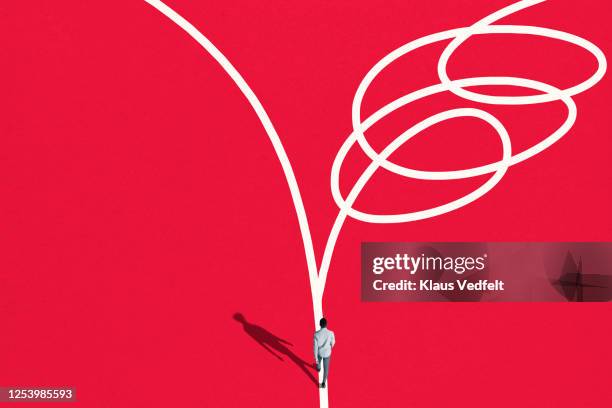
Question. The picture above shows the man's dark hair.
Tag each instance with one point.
(323, 322)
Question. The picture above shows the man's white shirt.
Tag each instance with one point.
(324, 340)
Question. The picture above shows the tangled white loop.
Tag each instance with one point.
(547, 93)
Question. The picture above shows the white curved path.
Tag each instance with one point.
(545, 93)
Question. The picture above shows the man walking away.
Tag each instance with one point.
(324, 340)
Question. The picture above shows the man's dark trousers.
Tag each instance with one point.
(325, 367)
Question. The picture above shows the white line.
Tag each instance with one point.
(265, 121)
(459, 36)
(548, 93)
(316, 295)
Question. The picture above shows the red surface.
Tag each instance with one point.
(142, 205)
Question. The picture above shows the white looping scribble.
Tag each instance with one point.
(546, 93)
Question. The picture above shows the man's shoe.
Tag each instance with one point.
(322, 385)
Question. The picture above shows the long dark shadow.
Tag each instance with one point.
(277, 346)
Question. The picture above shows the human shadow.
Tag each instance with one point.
(275, 345)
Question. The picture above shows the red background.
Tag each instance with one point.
(142, 205)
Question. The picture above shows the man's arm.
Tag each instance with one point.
(316, 348)
(333, 339)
